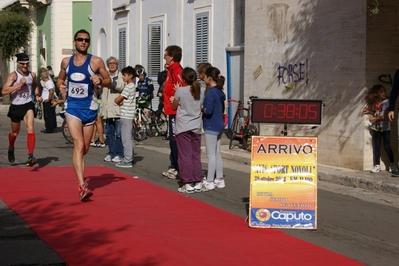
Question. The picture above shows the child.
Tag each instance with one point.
(213, 109)
(201, 68)
(98, 126)
(377, 105)
(188, 101)
(127, 102)
(145, 88)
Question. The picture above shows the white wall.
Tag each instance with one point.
(178, 17)
(61, 32)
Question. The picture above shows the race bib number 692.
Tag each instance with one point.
(78, 90)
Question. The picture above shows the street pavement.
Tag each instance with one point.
(19, 244)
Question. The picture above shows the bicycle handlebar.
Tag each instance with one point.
(235, 101)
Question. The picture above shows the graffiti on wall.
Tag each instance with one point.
(293, 73)
(385, 78)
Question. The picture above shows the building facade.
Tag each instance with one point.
(325, 50)
(137, 32)
(54, 23)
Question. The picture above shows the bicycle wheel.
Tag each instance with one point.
(249, 131)
(146, 121)
(233, 131)
(139, 131)
(161, 123)
(65, 132)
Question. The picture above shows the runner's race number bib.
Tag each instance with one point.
(78, 90)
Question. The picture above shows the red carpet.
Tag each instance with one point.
(132, 222)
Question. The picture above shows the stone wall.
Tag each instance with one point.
(382, 60)
(315, 49)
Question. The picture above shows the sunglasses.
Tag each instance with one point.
(87, 40)
(24, 63)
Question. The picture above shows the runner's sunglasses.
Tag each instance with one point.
(83, 39)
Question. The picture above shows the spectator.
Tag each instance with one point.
(377, 105)
(172, 56)
(392, 100)
(145, 88)
(111, 113)
(188, 101)
(127, 101)
(47, 96)
(213, 110)
(98, 126)
(161, 81)
(201, 68)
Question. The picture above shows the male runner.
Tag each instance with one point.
(79, 77)
(20, 85)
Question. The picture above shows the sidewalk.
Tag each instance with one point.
(378, 182)
(382, 182)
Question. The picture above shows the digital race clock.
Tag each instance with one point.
(287, 111)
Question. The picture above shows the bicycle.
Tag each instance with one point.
(64, 127)
(242, 127)
(155, 120)
(146, 120)
(139, 129)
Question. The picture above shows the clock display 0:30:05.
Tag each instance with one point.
(287, 111)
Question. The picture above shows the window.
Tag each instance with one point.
(155, 51)
(122, 47)
(202, 38)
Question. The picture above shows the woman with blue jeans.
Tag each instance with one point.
(213, 109)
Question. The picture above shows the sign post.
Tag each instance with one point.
(283, 189)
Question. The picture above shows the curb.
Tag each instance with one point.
(359, 182)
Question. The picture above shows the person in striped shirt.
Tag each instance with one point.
(127, 102)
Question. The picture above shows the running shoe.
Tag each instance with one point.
(376, 169)
(93, 144)
(117, 159)
(101, 144)
(124, 164)
(198, 186)
(84, 192)
(219, 183)
(187, 188)
(31, 161)
(208, 186)
(171, 173)
(391, 168)
(108, 158)
(11, 157)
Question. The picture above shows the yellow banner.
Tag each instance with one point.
(283, 190)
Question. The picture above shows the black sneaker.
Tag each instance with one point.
(395, 174)
(11, 157)
(31, 161)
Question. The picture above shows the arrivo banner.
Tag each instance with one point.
(283, 189)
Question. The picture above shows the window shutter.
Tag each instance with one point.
(155, 52)
(202, 38)
(122, 47)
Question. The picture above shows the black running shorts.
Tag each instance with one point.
(18, 112)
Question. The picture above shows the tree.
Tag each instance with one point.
(15, 29)
(374, 10)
